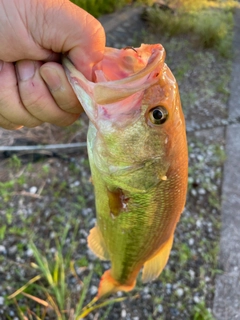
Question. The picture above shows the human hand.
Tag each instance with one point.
(33, 85)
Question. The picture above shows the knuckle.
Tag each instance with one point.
(68, 120)
(71, 106)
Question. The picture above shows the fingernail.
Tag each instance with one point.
(25, 69)
(1, 65)
(52, 79)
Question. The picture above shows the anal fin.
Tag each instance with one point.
(96, 244)
(154, 266)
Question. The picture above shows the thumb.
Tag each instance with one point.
(66, 28)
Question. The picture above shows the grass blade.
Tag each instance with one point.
(20, 290)
(86, 283)
(38, 300)
(98, 306)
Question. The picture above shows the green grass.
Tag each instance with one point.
(213, 29)
(100, 7)
(211, 23)
(49, 288)
(200, 312)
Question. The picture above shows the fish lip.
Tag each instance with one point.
(94, 95)
(114, 87)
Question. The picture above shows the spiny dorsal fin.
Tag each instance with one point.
(97, 244)
(153, 267)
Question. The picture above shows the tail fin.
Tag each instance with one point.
(109, 285)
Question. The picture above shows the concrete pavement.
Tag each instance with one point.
(227, 292)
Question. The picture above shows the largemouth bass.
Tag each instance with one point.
(138, 157)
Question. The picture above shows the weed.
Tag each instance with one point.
(9, 215)
(46, 168)
(168, 23)
(184, 253)
(188, 5)
(53, 279)
(98, 7)
(213, 29)
(83, 262)
(98, 269)
(2, 231)
(5, 189)
(15, 162)
(211, 25)
(200, 312)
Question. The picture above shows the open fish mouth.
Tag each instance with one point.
(122, 73)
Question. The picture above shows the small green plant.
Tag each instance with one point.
(185, 253)
(6, 188)
(200, 312)
(2, 232)
(15, 162)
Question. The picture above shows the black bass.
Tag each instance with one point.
(138, 156)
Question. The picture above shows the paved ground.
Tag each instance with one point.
(227, 293)
(123, 26)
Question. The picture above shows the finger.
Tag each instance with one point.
(67, 28)
(36, 96)
(5, 124)
(11, 107)
(61, 90)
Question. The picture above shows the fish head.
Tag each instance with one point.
(135, 114)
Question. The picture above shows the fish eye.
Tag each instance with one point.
(158, 115)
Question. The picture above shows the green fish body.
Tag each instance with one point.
(138, 157)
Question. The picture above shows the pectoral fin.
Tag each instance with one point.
(153, 267)
(96, 244)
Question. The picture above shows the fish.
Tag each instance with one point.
(137, 149)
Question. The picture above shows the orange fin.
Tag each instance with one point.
(153, 267)
(109, 285)
(97, 245)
